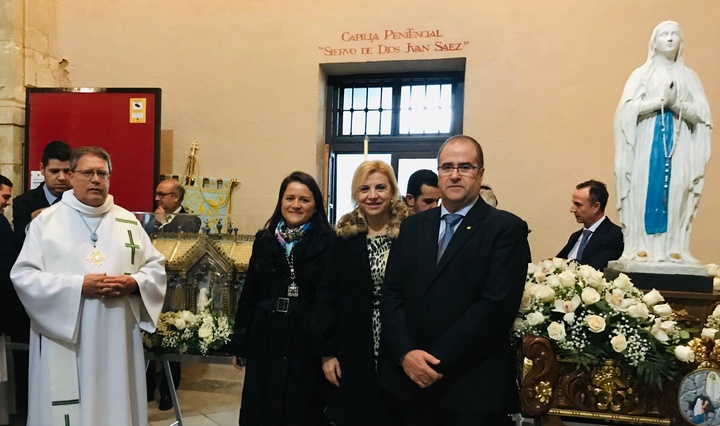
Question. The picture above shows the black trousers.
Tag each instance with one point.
(429, 413)
(162, 384)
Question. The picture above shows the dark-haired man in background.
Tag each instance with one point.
(422, 191)
(54, 166)
(600, 240)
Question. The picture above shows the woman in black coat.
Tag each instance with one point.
(347, 313)
(283, 377)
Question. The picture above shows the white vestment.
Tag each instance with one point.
(105, 333)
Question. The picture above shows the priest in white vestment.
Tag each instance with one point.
(89, 279)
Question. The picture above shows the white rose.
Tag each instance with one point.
(660, 328)
(716, 312)
(531, 269)
(189, 317)
(545, 293)
(595, 279)
(558, 263)
(526, 302)
(709, 333)
(567, 279)
(585, 271)
(539, 276)
(653, 297)
(553, 281)
(684, 354)
(595, 323)
(713, 269)
(535, 318)
(619, 343)
(716, 283)
(204, 331)
(556, 331)
(638, 310)
(622, 282)
(547, 265)
(663, 310)
(531, 288)
(590, 295)
(180, 324)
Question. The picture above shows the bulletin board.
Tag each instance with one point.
(123, 121)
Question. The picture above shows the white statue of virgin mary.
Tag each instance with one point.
(662, 144)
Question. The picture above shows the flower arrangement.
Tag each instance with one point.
(589, 319)
(184, 332)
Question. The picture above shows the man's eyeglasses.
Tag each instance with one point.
(88, 174)
(164, 194)
(463, 169)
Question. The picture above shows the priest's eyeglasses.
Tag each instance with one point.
(88, 174)
(463, 169)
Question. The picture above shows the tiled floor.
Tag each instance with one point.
(209, 395)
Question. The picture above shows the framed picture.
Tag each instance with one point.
(699, 397)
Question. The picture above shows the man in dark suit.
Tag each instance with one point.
(600, 240)
(170, 216)
(14, 322)
(452, 288)
(54, 166)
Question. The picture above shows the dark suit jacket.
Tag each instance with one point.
(14, 321)
(605, 244)
(184, 223)
(23, 206)
(460, 310)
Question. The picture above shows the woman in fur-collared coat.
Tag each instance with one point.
(347, 313)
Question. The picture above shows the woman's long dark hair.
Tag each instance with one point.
(319, 220)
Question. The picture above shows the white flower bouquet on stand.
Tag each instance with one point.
(588, 320)
(184, 332)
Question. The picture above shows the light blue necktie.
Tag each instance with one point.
(450, 221)
(585, 237)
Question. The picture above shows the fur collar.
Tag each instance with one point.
(353, 223)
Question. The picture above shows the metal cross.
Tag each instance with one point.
(132, 246)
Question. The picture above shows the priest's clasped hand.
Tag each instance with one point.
(102, 286)
(417, 365)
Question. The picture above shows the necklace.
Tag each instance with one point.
(93, 234)
(668, 153)
(96, 257)
(676, 132)
(293, 289)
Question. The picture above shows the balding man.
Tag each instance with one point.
(170, 216)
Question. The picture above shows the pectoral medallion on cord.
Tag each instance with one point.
(96, 257)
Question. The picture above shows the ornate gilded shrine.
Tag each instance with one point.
(552, 389)
(196, 261)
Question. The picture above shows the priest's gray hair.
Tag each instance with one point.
(89, 150)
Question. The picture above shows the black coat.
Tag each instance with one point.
(284, 383)
(606, 244)
(13, 319)
(343, 319)
(460, 310)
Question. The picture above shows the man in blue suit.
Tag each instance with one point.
(452, 288)
(600, 240)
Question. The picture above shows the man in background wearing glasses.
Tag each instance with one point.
(89, 279)
(170, 216)
(452, 288)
